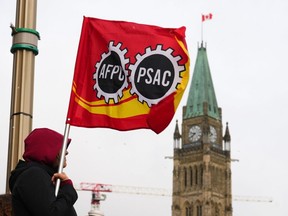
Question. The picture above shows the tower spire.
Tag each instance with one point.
(202, 90)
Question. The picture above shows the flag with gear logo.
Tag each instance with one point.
(128, 75)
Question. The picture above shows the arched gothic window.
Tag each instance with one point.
(188, 211)
(196, 175)
(185, 177)
(201, 175)
(191, 176)
(199, 210)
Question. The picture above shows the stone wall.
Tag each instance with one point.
(5, 205)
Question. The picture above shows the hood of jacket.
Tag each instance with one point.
(42, 145)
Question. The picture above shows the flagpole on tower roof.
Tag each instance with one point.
(202, 30)
(203, 19)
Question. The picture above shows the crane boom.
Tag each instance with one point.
(252, 199)
(141, 190)
(98, 187)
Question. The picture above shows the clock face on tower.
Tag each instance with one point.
(195, 133)
(212, 134)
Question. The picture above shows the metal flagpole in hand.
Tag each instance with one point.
(63, 152)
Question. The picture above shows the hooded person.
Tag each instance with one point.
(32, 182)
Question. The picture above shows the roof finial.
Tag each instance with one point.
(227, 139)
(177, 136)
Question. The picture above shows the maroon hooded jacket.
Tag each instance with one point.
(33, 193)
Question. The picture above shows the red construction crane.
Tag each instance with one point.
(97, 195)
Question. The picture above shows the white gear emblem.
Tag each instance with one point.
(111, 74)
(155, 75)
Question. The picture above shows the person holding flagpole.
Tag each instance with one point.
(32, 182)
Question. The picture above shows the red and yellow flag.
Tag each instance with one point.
(127, 75)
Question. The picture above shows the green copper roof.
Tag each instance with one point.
(201, 89)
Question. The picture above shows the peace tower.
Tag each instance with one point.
(202, 169)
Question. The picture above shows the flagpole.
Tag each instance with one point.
(63, 153)
(202, 30)
(24, 49)
(204, 18)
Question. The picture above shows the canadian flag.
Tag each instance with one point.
(206, 17)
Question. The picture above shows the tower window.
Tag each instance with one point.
(188, 211)
(201, 175)
(199, 210)
(196, 176)
(191, 176)
(185, 177)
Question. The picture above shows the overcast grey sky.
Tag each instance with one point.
(247, 52)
